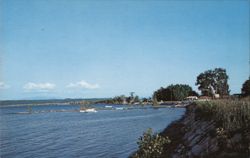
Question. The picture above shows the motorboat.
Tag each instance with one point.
(119, 108)
(88, 110)
(108, 106)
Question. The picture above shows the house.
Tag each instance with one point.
(191, 98)
(216, 96)
(204, 98)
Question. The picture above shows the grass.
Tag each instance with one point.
(231, 115)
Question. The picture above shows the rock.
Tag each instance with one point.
(236, 138)
(213, 147)
(195, 140)
(196, 150)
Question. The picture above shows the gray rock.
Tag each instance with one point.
(197, 150)
(195, 140)
(236, 138)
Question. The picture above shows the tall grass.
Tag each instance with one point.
(232, 115)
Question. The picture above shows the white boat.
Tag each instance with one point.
(119, 108)
(108, 106)
(88, 110)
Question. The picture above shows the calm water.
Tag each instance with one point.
(107, 133)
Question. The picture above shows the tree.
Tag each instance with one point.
(179, 91)
(245, 90)
(145, 100)
(213, 82)
(193, 93)
(137, 99)
(173, 92)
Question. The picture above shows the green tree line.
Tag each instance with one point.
(211, 83)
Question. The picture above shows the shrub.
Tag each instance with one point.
(222, 137)
(150, 145)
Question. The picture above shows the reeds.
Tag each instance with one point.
(232, 115)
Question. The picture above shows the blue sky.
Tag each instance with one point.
(87, 49)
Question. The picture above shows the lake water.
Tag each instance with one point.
(107, 133)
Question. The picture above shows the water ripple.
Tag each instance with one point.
(99, 135)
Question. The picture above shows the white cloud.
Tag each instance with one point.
(4, 86)
(83, 84)
(39, 86)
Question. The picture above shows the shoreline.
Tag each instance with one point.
(192, 137)
(174, 132)
(182, 105)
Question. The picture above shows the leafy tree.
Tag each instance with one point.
(145, 100)
(245, 90)
(193, 93)
(118, 99)
(173, 92)
(136, 99)
(129, 99)
(213, 82)
(180, 91)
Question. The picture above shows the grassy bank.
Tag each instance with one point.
(217, 128)
(231, 115)
(232, 124)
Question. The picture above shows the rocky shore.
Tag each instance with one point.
(193, 137)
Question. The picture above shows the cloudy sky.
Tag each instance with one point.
(87, 49)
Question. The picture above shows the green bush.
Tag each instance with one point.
(150, 145)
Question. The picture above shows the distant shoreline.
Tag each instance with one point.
(11, 103)
(172, 104)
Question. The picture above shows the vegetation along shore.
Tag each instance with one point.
(208, 129)
(215, 125)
